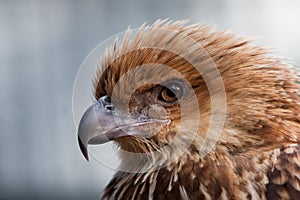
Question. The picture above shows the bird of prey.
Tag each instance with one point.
(196, 113)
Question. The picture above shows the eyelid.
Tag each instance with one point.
(179, 81)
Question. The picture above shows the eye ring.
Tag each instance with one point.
(171, 92)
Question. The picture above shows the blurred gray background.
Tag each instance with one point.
(42, 44)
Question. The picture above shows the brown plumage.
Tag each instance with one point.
(256, 155)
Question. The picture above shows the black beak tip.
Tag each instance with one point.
(83, 149)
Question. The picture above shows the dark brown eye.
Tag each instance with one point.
(171, 92)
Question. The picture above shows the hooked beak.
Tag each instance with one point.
(98, 126)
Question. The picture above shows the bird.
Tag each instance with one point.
(196, 113)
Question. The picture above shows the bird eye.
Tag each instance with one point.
(171, 92)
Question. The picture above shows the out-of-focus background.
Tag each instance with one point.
(42, 44)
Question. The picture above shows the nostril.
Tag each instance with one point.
(109, 107)
(105, 101)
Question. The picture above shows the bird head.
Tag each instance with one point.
(174, 90)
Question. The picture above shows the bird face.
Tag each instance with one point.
(158, 92)
(143, 111)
